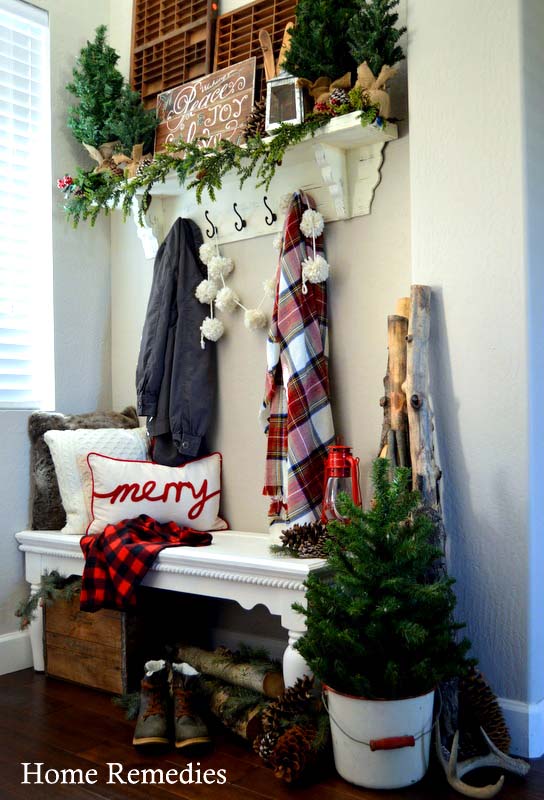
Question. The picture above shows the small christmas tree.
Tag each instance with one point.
(379, 629)
(130, 122)
(319, 43)
(97, 84)
(373, 36)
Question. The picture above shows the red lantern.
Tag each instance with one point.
(341, 477)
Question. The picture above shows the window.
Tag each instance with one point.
(26, 290)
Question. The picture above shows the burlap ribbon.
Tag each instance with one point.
(375, 87)
(322, 88)
(130, 165)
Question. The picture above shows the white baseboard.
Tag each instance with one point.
(526, 724)
(15, 652)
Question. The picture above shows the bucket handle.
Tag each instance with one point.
(389, 743)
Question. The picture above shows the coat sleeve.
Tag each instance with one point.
(194, 372)
(150, 369)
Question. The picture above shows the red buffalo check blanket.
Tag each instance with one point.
(117, 560)
(296, 412)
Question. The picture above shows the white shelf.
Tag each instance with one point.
(339, 167)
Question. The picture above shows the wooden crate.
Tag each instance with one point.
(172, 43)
(237, 35)
(97, 650)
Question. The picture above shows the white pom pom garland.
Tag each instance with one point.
(312, 223)
(254, 318)
(269, 286)
(220, 267)
(206, 291)
(212, 329)
(206, 251)
(227, 300)
(214, 290)
(277, 241)
(314, 270)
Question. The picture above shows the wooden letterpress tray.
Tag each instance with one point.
(237, 35)
(172, 42)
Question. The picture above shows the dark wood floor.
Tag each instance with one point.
(69, 727)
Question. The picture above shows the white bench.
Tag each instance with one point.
(236, 566)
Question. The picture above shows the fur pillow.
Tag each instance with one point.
(46, 510)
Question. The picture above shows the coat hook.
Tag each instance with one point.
(213, 227)
(270, 220)
(242, 224)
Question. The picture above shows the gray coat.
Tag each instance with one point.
(175, 378)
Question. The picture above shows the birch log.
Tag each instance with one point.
(246, 720)
(397, 331)
(257, 677)
(424, 472)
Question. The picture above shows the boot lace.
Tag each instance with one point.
(183, 700)
(155, 706)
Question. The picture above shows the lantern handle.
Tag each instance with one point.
(357, 483)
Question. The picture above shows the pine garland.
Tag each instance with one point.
(198, 166)
(53, 587)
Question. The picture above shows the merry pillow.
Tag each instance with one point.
(188, 495)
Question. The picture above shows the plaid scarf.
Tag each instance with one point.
(117, 560)
(296, 410)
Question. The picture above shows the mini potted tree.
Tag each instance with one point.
(381, 635)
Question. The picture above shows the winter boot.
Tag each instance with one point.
(189, 727)
(152, 723)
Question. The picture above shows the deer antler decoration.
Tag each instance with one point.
(495, 758)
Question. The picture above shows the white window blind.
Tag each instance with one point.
(26, 313)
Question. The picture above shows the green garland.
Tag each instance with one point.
(53, 587)
(200, 167)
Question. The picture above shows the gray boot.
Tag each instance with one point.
(152, 722)
(189, 727)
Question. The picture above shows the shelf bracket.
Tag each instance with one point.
(149, 229)
(332, 164)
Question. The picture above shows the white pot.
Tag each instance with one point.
(358, 728)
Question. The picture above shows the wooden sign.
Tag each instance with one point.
(215, 107)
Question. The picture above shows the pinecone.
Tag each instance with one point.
(144, 162)
(478, 707)
(271, 719)
(264, 745)
(296, 698)
(306, 540)
(254, 125)
(117, 171)
(338, 97)
(293, 753)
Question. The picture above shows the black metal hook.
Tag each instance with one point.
(270, 220)
(242, 224)
(213, 228)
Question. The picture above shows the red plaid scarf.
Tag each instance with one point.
(117, 560)
(296, 408)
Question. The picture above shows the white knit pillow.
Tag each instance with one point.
(188, 495)
(69, 450)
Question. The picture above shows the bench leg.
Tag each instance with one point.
(294, 665)
(36, 634)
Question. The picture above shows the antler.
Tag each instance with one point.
(495, 758)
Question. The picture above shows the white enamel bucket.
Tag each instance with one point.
(380, 744)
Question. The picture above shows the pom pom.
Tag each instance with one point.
(254, 318)
(65, 182)
(206, 291)
(285, 200)
(314, 270)
(312, 223)
(206, 252)
(212, 329)
(269, 287)
(219, 267)
(226, 300)
(277, 241)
